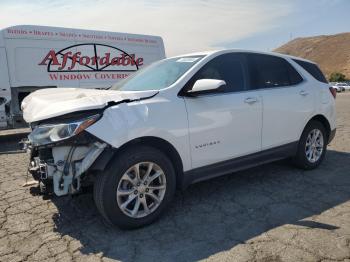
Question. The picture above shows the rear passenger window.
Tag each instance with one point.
(227, 67)
(312, 69)
(268, 71)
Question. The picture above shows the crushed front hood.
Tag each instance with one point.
(53, 102)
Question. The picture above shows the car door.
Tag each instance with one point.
(225, 123)
(288, 99)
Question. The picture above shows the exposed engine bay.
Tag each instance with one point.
(60, 169)
(61, 152)
(61, 149)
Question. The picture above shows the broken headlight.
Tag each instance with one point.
(51, 133)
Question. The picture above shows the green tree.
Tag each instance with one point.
(337, 77)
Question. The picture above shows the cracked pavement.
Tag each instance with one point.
(273, 212)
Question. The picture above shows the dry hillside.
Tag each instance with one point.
(331, 52)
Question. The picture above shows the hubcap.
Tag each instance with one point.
(314, 145)
(141, 189)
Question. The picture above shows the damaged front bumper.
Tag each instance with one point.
(62, 168)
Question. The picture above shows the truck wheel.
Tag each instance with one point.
(135, 188)
(312, 146)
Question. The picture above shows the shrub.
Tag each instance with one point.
(337, 77)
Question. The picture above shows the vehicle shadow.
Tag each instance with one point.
(215, 215)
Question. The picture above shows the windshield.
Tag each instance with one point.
(159, 75)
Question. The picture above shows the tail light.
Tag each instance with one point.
(333, 92)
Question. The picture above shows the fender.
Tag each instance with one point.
(126, 122)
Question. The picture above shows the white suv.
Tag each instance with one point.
(176, 122)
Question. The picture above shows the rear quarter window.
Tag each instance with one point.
(267, 71)
(312, 69)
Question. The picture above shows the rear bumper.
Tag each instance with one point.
(332, 135)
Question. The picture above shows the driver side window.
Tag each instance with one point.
(227, 67)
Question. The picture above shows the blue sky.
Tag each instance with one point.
(190, 25)
(307, 18)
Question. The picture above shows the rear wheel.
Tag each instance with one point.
(312, 146)
(136, 188)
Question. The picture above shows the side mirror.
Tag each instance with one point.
(206, 85)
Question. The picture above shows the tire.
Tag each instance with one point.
(302, 159)
(109, 203)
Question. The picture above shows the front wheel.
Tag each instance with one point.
(312, 146)
(136, 188)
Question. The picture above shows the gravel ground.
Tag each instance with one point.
(270, 213)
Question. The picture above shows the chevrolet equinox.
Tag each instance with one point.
(176, 122)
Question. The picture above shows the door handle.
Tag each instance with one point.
(250, 100)
(303, 93)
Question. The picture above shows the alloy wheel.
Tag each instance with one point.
(314, 145)
(141, 189)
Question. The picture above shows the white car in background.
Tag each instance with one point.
(340, 87)
(178, 121)
(347, 86)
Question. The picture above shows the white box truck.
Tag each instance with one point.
(36, 57)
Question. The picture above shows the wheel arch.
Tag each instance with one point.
(324, 121)
(158, 143)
